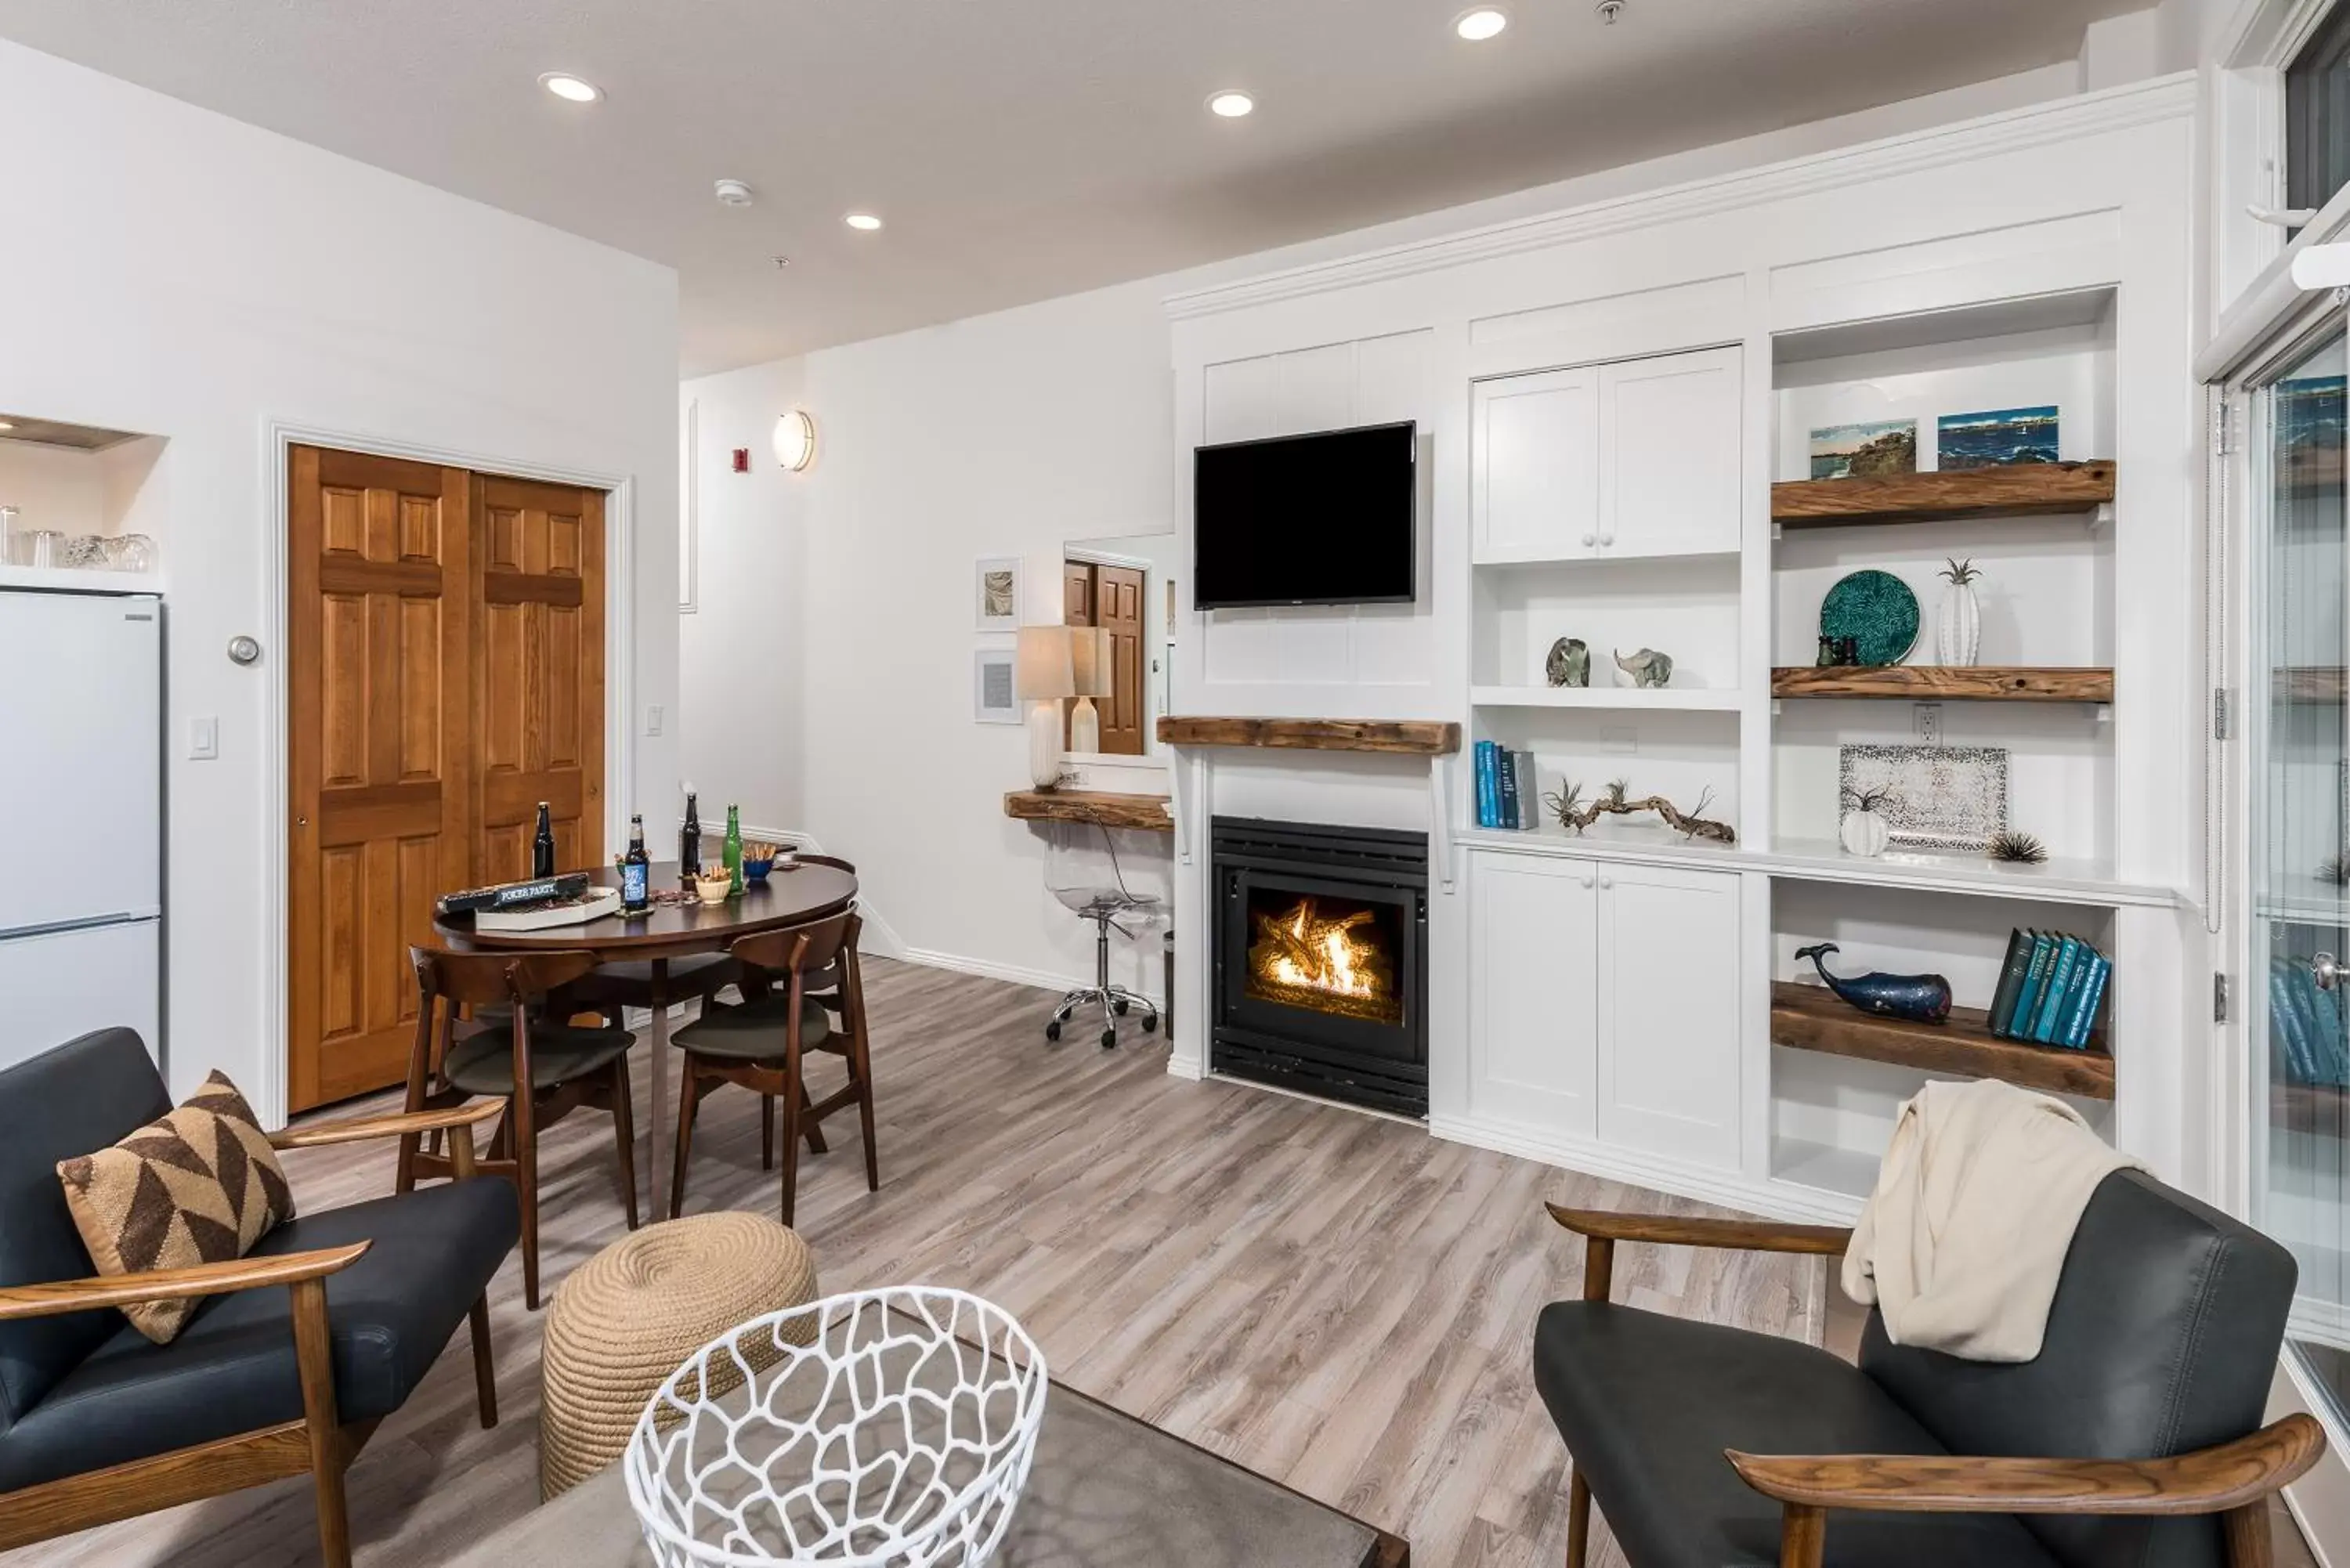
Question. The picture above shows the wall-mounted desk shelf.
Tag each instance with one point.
(1144, 813)
(2026, 490)
(1811, 1018)
(1947, 682)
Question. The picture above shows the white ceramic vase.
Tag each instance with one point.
(1864, 833)
(1044, 743)
(1958, 625)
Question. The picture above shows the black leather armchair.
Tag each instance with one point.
(2134, 1438)
(308, 1340)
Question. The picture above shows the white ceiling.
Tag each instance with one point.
(1017, 149)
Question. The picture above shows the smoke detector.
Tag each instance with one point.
(734, 194)
(1609, 10)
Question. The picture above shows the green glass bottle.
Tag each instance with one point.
(733, 853)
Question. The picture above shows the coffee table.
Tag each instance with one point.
(1105, 1489)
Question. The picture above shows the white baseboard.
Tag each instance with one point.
(1771, 1200)
(1018, 974)
(880, 936)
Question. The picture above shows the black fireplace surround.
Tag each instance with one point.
(1368, 1047)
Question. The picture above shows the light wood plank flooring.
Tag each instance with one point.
(1338, 1300)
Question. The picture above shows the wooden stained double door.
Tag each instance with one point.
(446, 674)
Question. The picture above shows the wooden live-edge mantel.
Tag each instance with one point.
(1939, 682)
(1145, 813)
(1812, 1018)
(1404, 737)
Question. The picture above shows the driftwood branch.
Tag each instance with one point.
(1568, 806)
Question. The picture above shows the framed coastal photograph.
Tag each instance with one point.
(995, 593)
(991, 698)
(1995, 438)
(1866, 450)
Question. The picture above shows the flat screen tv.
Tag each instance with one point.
(1305, 520)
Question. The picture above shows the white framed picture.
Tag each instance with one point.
(991, 698)
(995, 593)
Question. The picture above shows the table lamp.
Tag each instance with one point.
(1090, 652)
(1044, 671)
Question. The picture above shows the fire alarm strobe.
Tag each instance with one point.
(742, 460)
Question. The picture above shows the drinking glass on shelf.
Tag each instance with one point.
(131, 552)
(11, 532)
(41, 546)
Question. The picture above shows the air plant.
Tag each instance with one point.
(1868, 799)
(1959, 572)
(2019, 849)
(2334, 868)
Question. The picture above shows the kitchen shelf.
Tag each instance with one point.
(1811, 1018)
(1684, 699)
(1947, 682)
(2025, 490)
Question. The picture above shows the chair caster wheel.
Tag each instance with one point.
(1109, 1039)
(1053, 1029)
(1150, 1023)
(1119, 1006)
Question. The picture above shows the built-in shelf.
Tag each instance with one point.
(1410, 737)
(2086, 882)
(2328, 684)
(1823, 1166)
(1811, 1018)
(1145, 812)
(1680, 698)
(1947, 682)
(2025, 490)
(80, 580)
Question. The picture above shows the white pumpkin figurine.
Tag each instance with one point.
(1958, 624)
(1864, 830)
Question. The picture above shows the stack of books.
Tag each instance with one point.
(2050, 989)
(1506, 797)
(2305, 1027)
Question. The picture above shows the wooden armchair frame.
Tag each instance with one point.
(2232, 1480)
(319, 1443)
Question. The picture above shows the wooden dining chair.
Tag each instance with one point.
(514, 1050)
(762, 1043)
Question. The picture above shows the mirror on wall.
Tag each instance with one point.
(1123, 584)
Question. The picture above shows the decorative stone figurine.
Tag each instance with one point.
(1569, 663)
(1646, 668)
(1958, 622)
(1925, 998)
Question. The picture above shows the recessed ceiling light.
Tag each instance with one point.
(563, 85)
(1481, 24)
(1230, 104)
(866, 222)
(732, 193)
(782, 262)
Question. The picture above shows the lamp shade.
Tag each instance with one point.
(795, 440)
(1090, 655)
(1044, 666)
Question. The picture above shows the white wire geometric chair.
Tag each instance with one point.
(1082, 871)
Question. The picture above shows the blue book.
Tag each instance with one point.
(2052, 995)
(2017, 1024)
(2084, 1019)
(1505, 763)
(2325, 1018)
(2288, 1043)
(1488, 801)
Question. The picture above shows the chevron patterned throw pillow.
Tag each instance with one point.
(200, 1186)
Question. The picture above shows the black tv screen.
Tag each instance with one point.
(1305, 520)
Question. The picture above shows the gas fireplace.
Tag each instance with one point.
(1322, 961)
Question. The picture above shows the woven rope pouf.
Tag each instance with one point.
(635, 1312)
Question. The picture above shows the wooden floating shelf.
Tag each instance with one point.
(1811, 1018)
(2025, 490)
(2326, 683)
(1407, 737)
(1938, 683)
(1145, 813)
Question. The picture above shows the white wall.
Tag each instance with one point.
(172, 270)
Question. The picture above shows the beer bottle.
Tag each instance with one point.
(732, 852)
(636, 870)
(689, 840)
(542, 847)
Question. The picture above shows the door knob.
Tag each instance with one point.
(2326, 969)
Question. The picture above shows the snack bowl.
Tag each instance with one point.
(712, 889)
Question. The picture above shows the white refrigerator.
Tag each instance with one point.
(81, 817)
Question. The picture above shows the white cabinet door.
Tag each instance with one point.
(1534, 467)
(1669, 435)
(1533, 945)
(1668, 1014)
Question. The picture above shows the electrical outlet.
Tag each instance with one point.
(1927, 719)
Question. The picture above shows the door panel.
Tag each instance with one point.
(1670, 432)
(1668, 995)
(541, 653)
(1531, 1042)
(378, 751)
(1117, 605)
(1535, 473)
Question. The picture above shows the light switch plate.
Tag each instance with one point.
(204, 740)
(653, 719)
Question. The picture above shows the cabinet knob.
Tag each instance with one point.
(1607, 539)
(1589, 540)
(1587, 881)
(1608, 881)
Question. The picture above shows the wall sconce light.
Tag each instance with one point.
(795, 440)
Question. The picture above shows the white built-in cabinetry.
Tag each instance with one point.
(1630, 459)
(1603, 1004)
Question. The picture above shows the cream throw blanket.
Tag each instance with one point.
(1975, 1207)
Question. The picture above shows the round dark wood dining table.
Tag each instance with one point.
(786, 898)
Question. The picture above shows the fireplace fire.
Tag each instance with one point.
(1327, 955)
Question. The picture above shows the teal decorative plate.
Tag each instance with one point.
(1876, 609)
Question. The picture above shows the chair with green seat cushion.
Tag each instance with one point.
(761, 1044)
(543, 1070)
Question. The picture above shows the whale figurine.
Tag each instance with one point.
(1923, 998)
